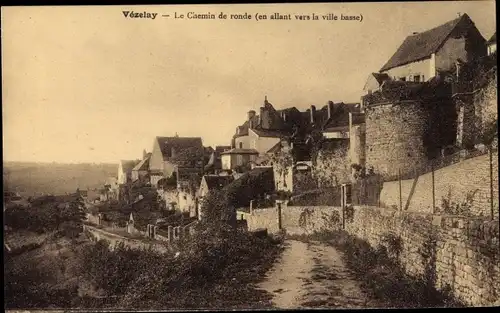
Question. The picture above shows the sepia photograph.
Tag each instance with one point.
(250, 156)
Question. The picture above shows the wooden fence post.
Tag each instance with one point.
(170, 233)
(343, 202)
(491, 182)
(400, 196)
(433, 191)
(278, 205)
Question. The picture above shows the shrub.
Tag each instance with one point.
(449, 206)
(47, 213)
(207, 261)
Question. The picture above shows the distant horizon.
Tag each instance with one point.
(92, 86)
(61, 163)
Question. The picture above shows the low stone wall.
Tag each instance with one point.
(263, 218)
(295, 220)
(456, 253)
(468, 176)
(114, 239)
(298, 220)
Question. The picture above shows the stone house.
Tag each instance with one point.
(214, 162)
(237, 159)
(331, 123)
(261, 132)
(125, 171)
(110, 190)
(141, 170)
(418, 112)
(331, 164)
(188, 182)
(170, 153)
(423, 55)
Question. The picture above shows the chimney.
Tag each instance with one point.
(330, 109)
(312, 113)
(251, 114)
(261, 118)
(458, 65)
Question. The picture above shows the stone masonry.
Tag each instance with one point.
(394, 137)
(455, 253)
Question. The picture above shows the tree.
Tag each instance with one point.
(282, 163)
(215, 208)
(332, 165)
(49, 213)
(315, 141)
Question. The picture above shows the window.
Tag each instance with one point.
(403, 79)
(416, 78)
(423, 78)
(241, 145)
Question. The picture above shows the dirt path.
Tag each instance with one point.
(313, 275)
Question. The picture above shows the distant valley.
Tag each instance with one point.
(31, 179)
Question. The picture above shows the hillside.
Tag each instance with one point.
(29, 179)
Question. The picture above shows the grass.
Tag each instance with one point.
(211, 274)
(22, 239)
(45, 276)
(382, 276)
(207, 274)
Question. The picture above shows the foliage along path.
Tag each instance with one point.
(313, 275)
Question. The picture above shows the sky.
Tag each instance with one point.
(86, 84)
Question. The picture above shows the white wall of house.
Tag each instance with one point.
(253, 141)
(492, 48)
(186, 201)
(243, 142)
(371, 84)
(336, 135)
(154, 179)
(156, 162)
(426, 67)
(231, 161)
(226, 161)
(262, 144)
(122, 177)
